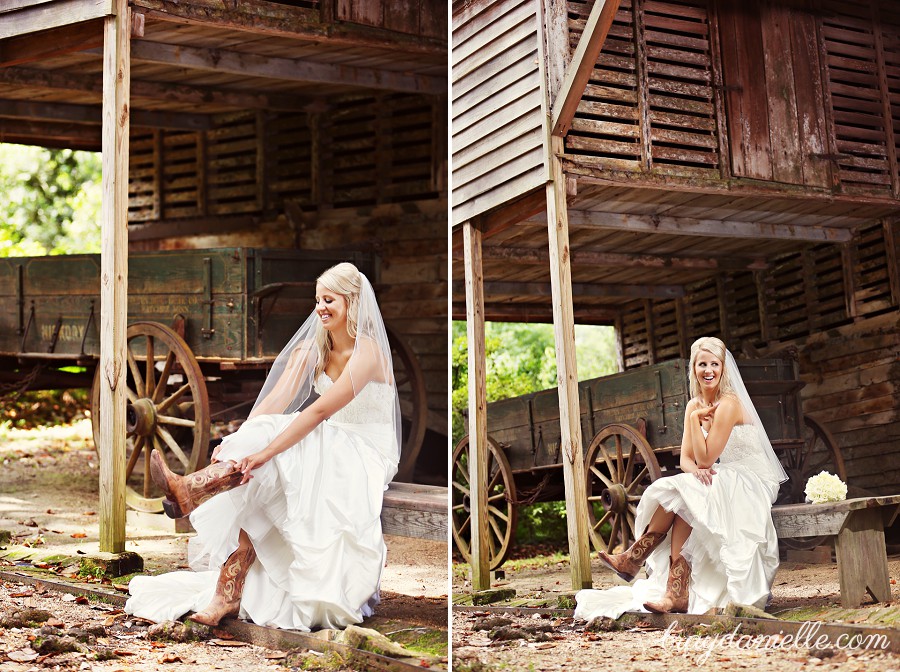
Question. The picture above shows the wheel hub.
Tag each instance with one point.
(140, 417)
(614, 499)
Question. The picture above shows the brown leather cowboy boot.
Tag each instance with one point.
(186, 493)
(628, 563)
(229, 587)
(676, 598)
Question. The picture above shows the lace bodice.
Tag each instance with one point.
(374, 404)
(742, 447)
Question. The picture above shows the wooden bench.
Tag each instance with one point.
(412, 510)
(859, 526)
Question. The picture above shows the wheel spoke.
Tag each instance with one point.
(459, 486)
(640, 477)
(629, 464)
(500, 537)
(132, 397)
(494, 479)
(459, 507)
(606, 458)
(151, 372)
(171, 399)
(135, 453)
(163, 433)
(602, 520)
(620, 477)
(464, 525)
(497, 512)
(599, 474)
(135, 371)
(181, 422)
(148, 479)
(163, 377)
(612, 535)
(499, 495)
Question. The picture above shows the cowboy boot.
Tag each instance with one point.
(186, 493)
(676, 597)
(628, 563)
(229, 587)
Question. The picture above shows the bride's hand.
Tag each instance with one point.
(705, 475)
(706, 413)
(252, 462)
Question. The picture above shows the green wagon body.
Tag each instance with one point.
(232, 304)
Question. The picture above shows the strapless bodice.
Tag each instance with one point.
(373, 404)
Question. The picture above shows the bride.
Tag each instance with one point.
(708, 537)
(288, 513)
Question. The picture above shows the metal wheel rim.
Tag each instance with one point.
(617, 468)
(502, 512)
(171, 405)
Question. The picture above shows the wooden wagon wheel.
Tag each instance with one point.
(167, 408)
(619, 465)
(818, 452)
(502, 513)
(413, 402)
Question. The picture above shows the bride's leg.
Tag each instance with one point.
(661, 520)
(629, 562)
(680, 532)
(230, 586)
(677, 592)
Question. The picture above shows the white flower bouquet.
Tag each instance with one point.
(825, 487)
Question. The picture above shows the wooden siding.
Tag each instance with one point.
(498, 131)
(367, 150)
(797, 94)
(837, 307)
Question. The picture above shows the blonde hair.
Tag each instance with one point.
(716, 348)
(344, 280)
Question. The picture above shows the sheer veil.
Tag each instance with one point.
(776, 471)
(290, 383)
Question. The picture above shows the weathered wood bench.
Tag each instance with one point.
(412, 510)
(859, 526)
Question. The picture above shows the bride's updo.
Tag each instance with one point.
(343, 279)
(716, 348)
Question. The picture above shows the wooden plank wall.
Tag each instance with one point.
(838, 306)
(497, 125)
(416, 17)
(711, 90)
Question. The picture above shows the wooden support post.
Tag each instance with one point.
(648, 321)
(861, 559)
(848, 264)
(723, 312)
(567, 374)
(620, 342)
(478, 451)
(202, 181)
(158, 211)
(114, 276)
(684, 348)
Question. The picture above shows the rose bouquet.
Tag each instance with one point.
(825, 487)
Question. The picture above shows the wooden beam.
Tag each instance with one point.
(892, 254)
(269, 18)
(50, 43)
(531, 256)
(62, 136)
(92, 114)
(567, 374)
(478, 448)
(523, 289)
(286, 69)
(711, 228)
(114, 278)
(848, 265)
(541, 313)
(167, 92)
(649, 327)
(34, 18)
(579, 69)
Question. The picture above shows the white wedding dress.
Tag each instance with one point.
(313, 516)
(732, 548)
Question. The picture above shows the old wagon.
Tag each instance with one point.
(203, 327)
(632, 424)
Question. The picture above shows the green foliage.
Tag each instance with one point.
(51, 201)
(42, 408)
(542, 522)
(521, 358)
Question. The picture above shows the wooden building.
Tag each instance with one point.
(306, 124)
(698, 167)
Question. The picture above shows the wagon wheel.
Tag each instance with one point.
(413, 402)
(619, 466)
(502, 513)
(819, 451)
(166, 408)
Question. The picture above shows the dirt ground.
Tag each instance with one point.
(49, 501)
(570, 645)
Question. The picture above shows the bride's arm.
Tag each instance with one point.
(707, 450)
(686, 461)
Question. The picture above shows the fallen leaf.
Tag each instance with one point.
(222, 634)
(23, 655)
(24, 593)
(227, 642)
(110, 620)
(274, 655)
(121, 587)
(78, 535)
(169, 657)
(55, 623)
(81, 599)
(89, 513)
(123, 652)
(157, 645)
